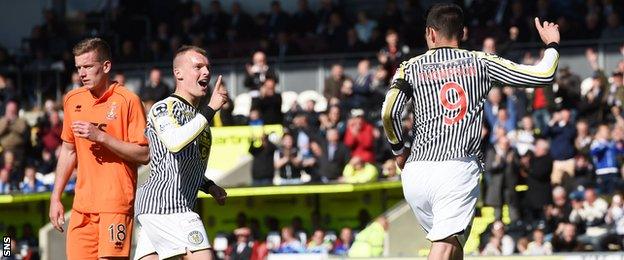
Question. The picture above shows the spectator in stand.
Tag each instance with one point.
(559, 211)
(370, 241)
(242, 248)
(216, 21)
(31, 183)
(390, 171)
(287, 161)
(128, 53)
(523, 138)
(590, 214)
(353, 42)
(562, 132)
(569, 88)
(262, 167)
(154, 89)
(348, 99)
(284, 46)
(290, 244)
(583, 139)
(393, 53)
(333, 83)
(504, 120)
(332, 119)
(604, 152)
(74, 82)
(614, 29)
(254, 118)
(241, 22)
(564, 238)
(493, 104)
(501, 179)
(258, 72)
(311, 114)
(269, 103)
(47, 164)
(6, 186)
(538, 180)
(616, 90)
(277, 20)
(335, 33)
(359, 171)
(538, 246)
(318, 244)
(499, 243)
(304, 20)
(50, 133)
(334, 156)
(359, 136)
(362, 85)
(14, 131)
(343, 243)
(364, 27)
(615, 220)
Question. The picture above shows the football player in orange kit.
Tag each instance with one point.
(103, 135)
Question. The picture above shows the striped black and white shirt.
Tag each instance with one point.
(448, 88)
(179, 140)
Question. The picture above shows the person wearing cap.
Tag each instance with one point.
(359, 136)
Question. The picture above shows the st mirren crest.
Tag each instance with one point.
(112, 111)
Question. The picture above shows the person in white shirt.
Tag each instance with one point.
(538, 246)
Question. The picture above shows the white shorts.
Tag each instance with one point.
(170, 235)
(443, 195)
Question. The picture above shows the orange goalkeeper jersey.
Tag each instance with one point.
(105, 182)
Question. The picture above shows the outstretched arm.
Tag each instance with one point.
(541, 74)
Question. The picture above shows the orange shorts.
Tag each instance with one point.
(94, 235)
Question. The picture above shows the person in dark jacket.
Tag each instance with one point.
(502, 179)
(269, 103)
(563, 133)
(538, 180)
(242, 248)
(334, 157)
(262, 168)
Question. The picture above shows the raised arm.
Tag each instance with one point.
(541, 74)
(175, 136)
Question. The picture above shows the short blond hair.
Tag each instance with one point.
(186, 48)
(96, 44)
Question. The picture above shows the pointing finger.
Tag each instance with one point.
(537, 24)
(218, 86)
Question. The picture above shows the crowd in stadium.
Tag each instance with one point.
(565, 143)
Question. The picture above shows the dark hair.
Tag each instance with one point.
(446, 19)
(93, 44)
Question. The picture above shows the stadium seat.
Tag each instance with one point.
(288, 99)
(320, 101)
(242, 105)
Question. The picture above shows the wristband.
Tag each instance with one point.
(206, 184)
(553, 45)
(207, 112)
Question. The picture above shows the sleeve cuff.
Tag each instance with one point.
(553, 45)
(397, 149)
(207, 112)
(206, 184)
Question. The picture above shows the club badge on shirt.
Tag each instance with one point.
(112, 111)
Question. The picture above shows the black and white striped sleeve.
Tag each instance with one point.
(396, 98)
(173, 135)
(510, 73)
